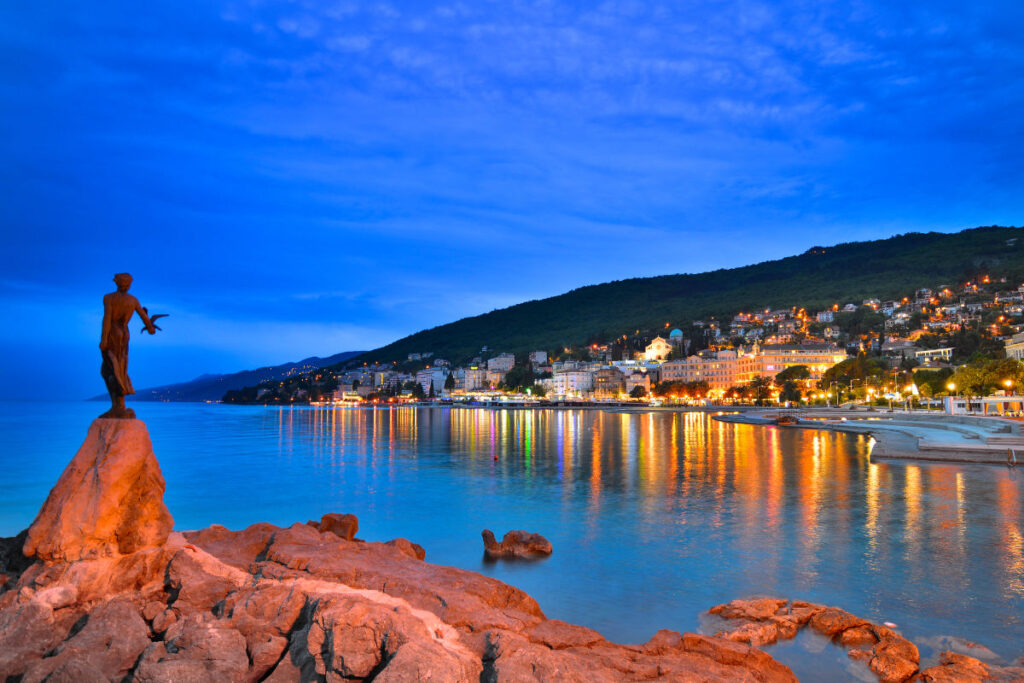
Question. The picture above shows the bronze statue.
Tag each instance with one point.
(118, 308)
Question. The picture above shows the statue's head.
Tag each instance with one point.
(123, 281)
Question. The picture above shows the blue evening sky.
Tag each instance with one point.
(297, 178)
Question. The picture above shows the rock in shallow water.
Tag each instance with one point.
(890, 656)
(516, 543)
(108, 501)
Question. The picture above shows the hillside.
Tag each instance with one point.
(815, 279)
(212, 387)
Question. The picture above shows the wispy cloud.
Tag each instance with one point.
(389, 166)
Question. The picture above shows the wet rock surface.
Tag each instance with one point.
(515, 544)
(966, 669)
(300, 604)
(890, 656)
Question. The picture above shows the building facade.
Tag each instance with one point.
(658, 349)
(1015, 346)
(502, 363)
(729, 368)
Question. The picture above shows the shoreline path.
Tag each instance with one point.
(908, 435)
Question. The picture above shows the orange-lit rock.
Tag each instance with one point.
(515, 543)
(959, 668)
(414, 550)
(758, 609)
(107, 647)
(108, 501)
(755, 633)
(894, 659)
(832, 621)
(298, 603)
(344, 526)
(890, 656)
(956, 668)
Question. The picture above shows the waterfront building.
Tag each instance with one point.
(720, 369)
(569, 383)
(425, 378)
(731, 367)
(470, 379)
(502, 363)
(651, 368)
(609, 383)
(638, 379)
(539, 357)
(817, 357)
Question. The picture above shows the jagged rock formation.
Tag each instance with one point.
(107, 502)
(889, 655)
(300, 604)
(345, 526)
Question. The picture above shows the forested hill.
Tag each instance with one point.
(818, 278)
(212, 387)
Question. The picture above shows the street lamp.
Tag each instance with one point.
(1008, 383)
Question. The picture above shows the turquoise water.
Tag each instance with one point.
(654, 516)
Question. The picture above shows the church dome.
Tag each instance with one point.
(675, 334)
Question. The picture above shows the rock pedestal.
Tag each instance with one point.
(109, 500)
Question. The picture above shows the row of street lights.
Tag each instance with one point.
(827, 395)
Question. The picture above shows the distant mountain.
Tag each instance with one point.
(818, 278)
(211, 387)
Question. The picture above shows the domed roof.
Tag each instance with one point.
(675, 333)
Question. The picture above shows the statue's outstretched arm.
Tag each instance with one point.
(145, 317)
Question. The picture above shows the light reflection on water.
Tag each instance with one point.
(654, 516)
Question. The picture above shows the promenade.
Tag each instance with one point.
(907, 435)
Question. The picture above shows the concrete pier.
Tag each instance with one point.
(908, 435)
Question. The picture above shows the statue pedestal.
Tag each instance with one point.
(109, 500)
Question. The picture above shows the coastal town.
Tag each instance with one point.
(937, 345)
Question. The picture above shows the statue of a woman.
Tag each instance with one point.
(118, 308)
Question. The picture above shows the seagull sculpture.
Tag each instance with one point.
(153, 319)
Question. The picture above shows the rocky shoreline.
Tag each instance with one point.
(110, 593)
(300, 604)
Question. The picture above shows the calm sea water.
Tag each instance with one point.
(654, 516)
